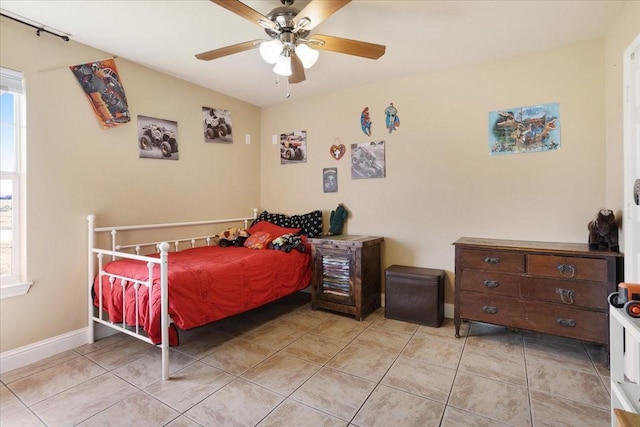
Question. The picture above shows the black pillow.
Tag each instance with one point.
(310, 223)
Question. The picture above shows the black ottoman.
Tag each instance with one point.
(414, 294)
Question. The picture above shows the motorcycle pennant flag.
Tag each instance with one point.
(103, 87)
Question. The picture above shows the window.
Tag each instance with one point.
(12, 184)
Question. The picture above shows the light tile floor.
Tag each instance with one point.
(287, 365)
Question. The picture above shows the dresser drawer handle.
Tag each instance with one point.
(490, 309)
(491, 283)
(567, 323)
(491, 260)
(566, 270)
(566, 295)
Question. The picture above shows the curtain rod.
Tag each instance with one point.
(38, 29)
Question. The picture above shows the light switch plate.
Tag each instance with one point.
(247, 139)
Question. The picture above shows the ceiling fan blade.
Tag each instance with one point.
(297, 70)
(228, 50)
(246, 12)
(319, 10)
(348, 46)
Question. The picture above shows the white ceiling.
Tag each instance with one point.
(420, 35)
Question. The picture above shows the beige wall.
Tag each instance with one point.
(440, 182)
(77, 168)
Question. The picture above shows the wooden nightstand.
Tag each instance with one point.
(346, 274)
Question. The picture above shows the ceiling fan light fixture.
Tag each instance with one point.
(302, 23)
(269, 25)
(270, 51)
(307, 55)
(283, 66)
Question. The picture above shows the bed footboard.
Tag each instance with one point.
(97, 313)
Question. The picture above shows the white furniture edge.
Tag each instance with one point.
(624, 332)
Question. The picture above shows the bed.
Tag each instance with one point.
(152, 290)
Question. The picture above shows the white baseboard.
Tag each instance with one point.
(448, 311)
(19, 357)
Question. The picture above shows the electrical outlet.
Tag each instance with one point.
(247, 139)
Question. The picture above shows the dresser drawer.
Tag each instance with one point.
(567, 267)
(550, 287)
(492, 309)
(492, 260)
(566, 321)
(568, 292)
(491, 282)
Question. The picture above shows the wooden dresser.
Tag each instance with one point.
(554, 288)
(346, 274)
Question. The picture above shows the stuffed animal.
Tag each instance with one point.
(336, 220)
(603, 232)
(233, 237)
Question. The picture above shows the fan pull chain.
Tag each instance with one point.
(277, 82)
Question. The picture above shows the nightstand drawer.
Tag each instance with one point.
(491, 260)
(491, 282)
(492, 309)
(561, 267)
(579, 293)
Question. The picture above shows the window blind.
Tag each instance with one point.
(11, 80)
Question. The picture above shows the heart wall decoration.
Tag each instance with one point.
(337, 150)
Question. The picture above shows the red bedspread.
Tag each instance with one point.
(206, 284)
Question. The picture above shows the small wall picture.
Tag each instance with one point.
(216, 124)
(330, 180)
(392, 120)
(524, 129)
(293, 147)
(365, 121)
(367, 160)
(157, 138)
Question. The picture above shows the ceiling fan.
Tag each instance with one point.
(289, 29)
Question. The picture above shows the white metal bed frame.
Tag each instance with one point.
(117, 251)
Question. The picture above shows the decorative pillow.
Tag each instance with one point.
(258, 240)
(274, 230)
(309, 223)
